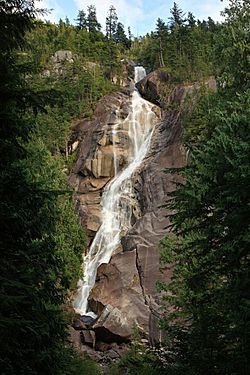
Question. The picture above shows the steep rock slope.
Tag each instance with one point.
(125, 294)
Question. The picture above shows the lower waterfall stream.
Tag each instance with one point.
(116, 200)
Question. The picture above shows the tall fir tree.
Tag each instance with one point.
(208, 327)
(41, 240)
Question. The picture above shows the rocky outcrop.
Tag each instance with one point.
(151, 87)
(125, 295)
(159, 88)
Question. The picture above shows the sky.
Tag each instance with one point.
(140, 15)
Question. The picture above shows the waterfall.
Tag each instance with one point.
(118, 195)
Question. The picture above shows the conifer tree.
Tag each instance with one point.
(81, 20)
(111, 23)
(208, 322)
(161, 35)
(177, 17)
(92, 23)
(120, 36)
(41, 241)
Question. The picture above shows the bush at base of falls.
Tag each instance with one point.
(76, 364)
(140, 359)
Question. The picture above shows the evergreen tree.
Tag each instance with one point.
(161, 34)
(232, 45)
(208, 327)
(92, 23)
(208, 332)
(177, 19)
(120, 36)
(130, 36)
(191, 20)
(81, 20)
(111, 23)
(41, 241)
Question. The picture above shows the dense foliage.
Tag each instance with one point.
(41, 240)
(183, 46)
(208, 327)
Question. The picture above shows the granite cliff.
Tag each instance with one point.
(124, 294)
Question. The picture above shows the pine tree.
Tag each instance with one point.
(41, 241)
(161, 35)
(208, 327)
(111, 23)
(120, 36)
(177, 19)
(81, 20)
(92, 23)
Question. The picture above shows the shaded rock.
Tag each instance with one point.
(150, 86)
(112, 354)
(118, 286)
(96, 306)
(78, 324)
(92, 353)
(102, 346)
(88, 338)
(75, 338)
(87, 320)
(112, 326)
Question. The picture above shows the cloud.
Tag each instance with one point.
(128, 12)
(55, 9)
(203, 9)
(141, 15)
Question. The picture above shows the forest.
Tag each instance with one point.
(206, 307)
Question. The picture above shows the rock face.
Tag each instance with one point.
(124, 295)
(150, 86)
(94, 166)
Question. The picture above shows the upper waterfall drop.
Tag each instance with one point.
(140, 73)
(119, 193)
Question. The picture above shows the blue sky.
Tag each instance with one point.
(141, 15)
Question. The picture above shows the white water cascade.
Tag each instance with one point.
(116, 200)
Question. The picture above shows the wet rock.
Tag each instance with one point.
(95, 162)
(87, 320)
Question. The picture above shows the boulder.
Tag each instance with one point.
(118, 288)
(88, 338)
(87, 320)
(150, 87)
(75, 338)
(113, 354)
(63, 55)
(78, 324)
(112, 326)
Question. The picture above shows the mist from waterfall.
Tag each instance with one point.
(118, 195)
